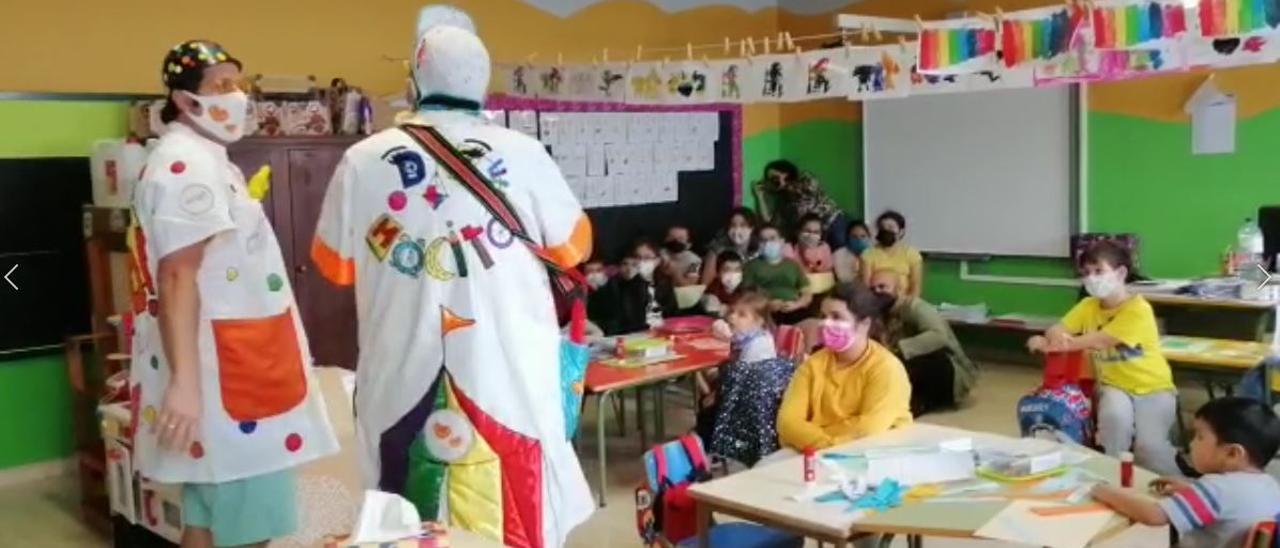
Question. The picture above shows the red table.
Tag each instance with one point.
(604, 381)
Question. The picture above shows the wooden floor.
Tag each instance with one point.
(42, 514)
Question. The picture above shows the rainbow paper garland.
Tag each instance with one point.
(941, 49)
(1121, 27)
(1221, 18)
(1022, 40)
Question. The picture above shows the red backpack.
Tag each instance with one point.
(664, 509)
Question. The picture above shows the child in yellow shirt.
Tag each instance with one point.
(851, 389)
(1137, 400)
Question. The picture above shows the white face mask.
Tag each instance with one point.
(740, 236)
(646, 268)
(730, 280)
(597, 279)
(1101, 286)
(222, 116)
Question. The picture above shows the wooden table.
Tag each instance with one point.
(1219, 362)
(604, 382)
(760, 495)
(1210, 316)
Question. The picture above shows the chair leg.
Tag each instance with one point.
(886, 541)
(642, 420)
(620, 412)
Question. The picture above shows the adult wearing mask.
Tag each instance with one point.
(895, 255)
(853, 388)
(846, 260)
(223, 393)
(941, 374)
(739, 236)
(782, 280)
(786, 195)
(461, 406)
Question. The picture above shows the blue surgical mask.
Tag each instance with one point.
(857, 245)
(771, 250)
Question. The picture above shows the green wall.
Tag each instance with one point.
(1142, 179)
(35, 398)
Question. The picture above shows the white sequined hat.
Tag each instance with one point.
(450, 64)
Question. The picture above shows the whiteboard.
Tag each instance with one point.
(989, 173)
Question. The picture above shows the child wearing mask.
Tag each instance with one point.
(845, 261)
(745, 425)
(810, 251)
(601, 302)
(783, 281)
(738, 236)
(727, 287)
(1234, 440)
(1137, 400)
(644, 292)
(683, 266)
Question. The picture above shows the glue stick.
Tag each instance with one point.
(1126, 469)
(810, 467)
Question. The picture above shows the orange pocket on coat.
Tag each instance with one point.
(259, 366)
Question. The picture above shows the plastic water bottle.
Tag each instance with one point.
(1249, 260)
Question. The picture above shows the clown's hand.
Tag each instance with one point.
(260, 183)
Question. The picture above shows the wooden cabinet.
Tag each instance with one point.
(300, 172)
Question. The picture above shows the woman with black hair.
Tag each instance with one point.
(738, 236)
(895, 255)
(786, 195)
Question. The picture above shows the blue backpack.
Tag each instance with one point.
(1254, 382)
(1059, 413)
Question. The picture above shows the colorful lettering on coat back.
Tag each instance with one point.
(412, 168)
(382, 235)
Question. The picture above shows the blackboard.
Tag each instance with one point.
(41, 235)
(706, 199)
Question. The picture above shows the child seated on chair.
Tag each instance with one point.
(744, 427)
(813, 254)
(1137, 400)
(1234, 440)
(684, 267)
(727, 287)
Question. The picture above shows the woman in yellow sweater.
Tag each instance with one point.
(851, 389)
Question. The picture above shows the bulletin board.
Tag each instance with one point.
(703, 195)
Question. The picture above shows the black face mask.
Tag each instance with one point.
(887, 301)
(675, 246)
(886, 238)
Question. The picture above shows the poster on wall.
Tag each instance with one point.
(880, 72)
(826, 73)
(611, 81)
(689, 82)
(768, 76)
(729, 74)
(1236, 18)
(957, 46)
(515, 80)
(645, 84)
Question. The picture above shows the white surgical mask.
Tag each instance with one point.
(740, 236)
(730, 280)
(222, 116)
(646, 268)
(1101, 286)
(810, 240)
(597, 279)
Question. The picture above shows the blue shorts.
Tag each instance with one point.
(243, 512)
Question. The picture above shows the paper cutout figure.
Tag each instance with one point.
(645, 84)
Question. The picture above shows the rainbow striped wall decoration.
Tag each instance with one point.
(1222, 18)
(945, 49)
(1138, 24)
(1040, 37)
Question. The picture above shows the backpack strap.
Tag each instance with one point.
(696, 456)
(660, 462)
(567, 282)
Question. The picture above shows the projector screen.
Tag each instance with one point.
(987, 173)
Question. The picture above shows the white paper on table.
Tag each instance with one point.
(385, 517)
(595, 159)
(1016, 523)
(922, 468)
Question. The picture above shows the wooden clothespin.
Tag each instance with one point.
(665, 60)
(866, 33)
(919, 21)
(790, 43)
(726, 45)
(1000, 13)
(799, 52)
(688, 50)
(876, 33)
(902, 43)
(751, 45)
(559, 59)
(605, 55)
(781, 40)
(844, 37)
(706, 61)
(639, 52)
(742, 49)
(848, 49)
(766, 45)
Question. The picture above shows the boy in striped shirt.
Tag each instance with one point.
(1234, 440)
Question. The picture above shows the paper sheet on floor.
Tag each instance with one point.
(1017, 523)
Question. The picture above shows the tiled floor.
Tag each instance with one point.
(42, 514)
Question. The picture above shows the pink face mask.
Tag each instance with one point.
(837, 335)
